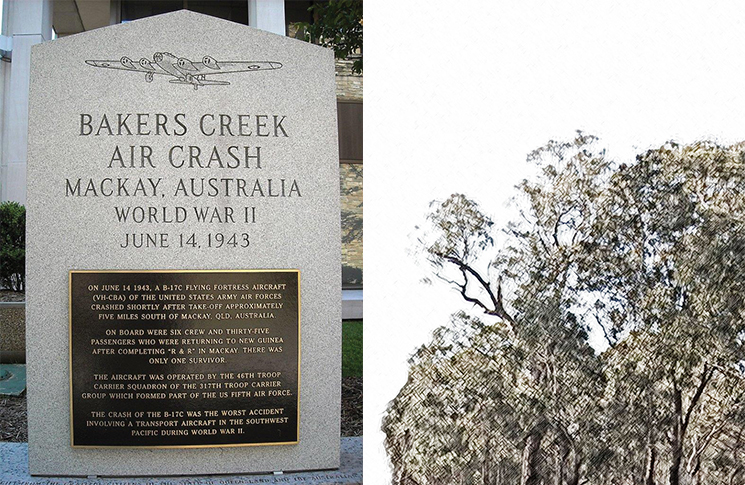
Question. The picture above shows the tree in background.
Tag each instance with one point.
(12, 245)
(338, 24)
(650, 254)
(665, 265)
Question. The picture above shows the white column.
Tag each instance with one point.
(28, 22)
(267, 15)
(115, 12)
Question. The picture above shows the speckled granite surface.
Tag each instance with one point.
(78, 229)
(14, 470)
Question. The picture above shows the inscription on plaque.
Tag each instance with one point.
(184, 358)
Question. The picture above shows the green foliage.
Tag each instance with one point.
(12, 245)
(338, 24)
(463, 230)
(652, 255)
(441, 426)
(351, 349)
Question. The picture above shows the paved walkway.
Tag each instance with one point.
(14, 471)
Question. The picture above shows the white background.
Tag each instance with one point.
(457, 93)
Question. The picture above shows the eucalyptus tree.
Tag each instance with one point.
(665, 264)
(553, 374)
(441, 427)
(648, 253)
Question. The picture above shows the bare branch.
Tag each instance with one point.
(611, 342)
(706, 376)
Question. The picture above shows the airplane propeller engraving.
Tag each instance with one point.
(183, 70)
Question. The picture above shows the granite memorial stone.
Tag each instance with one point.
(183, 259)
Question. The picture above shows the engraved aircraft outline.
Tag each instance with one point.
(183, 70)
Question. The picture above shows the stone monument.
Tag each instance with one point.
(183, 259)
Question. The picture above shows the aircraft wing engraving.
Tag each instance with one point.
(183, 70)
(211, 66)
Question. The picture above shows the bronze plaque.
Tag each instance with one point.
(184, 358)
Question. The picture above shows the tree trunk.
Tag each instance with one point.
(531, 456)
(682, 422)
(677, 459)
(677, 438)
(560, 460)
(573, 479)
(734, 474)
(651, 462)
(487, 463)
(695, 475)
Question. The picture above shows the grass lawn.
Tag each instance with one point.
(351, 348)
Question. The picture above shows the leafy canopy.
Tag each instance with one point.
(338, 24)
(649, 255)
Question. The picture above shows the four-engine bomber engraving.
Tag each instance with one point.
(184, 70)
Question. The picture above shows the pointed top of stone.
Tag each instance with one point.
(187, 27)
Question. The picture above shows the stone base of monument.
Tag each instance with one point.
(14, 469)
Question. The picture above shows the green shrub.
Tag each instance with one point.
(12, 245)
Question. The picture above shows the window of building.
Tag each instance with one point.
(349, 115)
